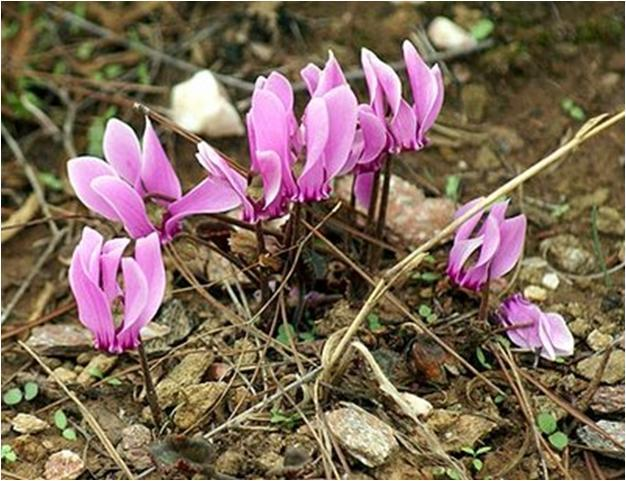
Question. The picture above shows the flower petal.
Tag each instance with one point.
(149, 258)
(157, 174)
(127, 204)
(311, 75)
(555, 334)
(110, 262)
(363, 185)
(341, 105)
(518, 311)
(271, 175)
(512, 235)
(94, 311)
(81, 172)
(383, 84)
(403, 128)
(121, 149)
(330, 77)
(135, 300)
(316, 124)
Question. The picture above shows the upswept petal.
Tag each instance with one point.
(211, 196)
(459, 254)
(280, 86)
(94, 311)
(311, 75)
(157, 174)
(512, 235)
(81, 172)
(381, 80)
(88, 250)
(437, 95)
(363, 184)
(403, 128)
(269, 120)
(126, 203)
(316, 123)
(150, 261)
(271, 175)
(331, 76)
(557, 335)
(121, 149)
(374, 137)
(135, 299)
(112, 252)
(341, 105)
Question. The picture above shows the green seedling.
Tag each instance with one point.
(477, 463)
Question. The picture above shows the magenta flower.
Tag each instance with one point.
(115, 314)
(495, 246)
(136, 185)
(531, 328)
(406, 124)
(329, 126)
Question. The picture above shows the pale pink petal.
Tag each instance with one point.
(110, 262)
(127, 204)
(460, 253)
(381, 80)
(512, 235)
(149, 258)
(558, 340)
(311, 74)
(157, 174)
(81, 172)
(331, 76)
(516, 310)
(94, 311)
(121, 149)
(311, 180)
(403, 127)
(271, 174)
(135, 300)
(280, 86)
(89, 249)
(341, 105)
(363, 185)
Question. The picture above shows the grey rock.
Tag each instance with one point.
(197, 400)
(65, 375)
(610, 221)
(597, 340)
(60, 339)
(172, 325)
(580, 327)
(568, 254)
(608, 399)
(595, 441)
(65, 464)
(613, 373)
(457, 430)
(28, 424)
(188, 371)
(363, 435)
(134, 446)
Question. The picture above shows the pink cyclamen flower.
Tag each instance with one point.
(495, 245)
(136, 185)
(538, 330)
(329, 127)
(407, 124)
(115, 314)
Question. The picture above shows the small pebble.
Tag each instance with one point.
(597, 340)
(65, 464)
(535, 293)
(28, 424)
(550, 280)
(66, 376)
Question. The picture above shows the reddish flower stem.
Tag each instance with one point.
(153, 400)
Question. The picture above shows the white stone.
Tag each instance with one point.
(535, 293)
(419, 406)
(200, 105)
(65, 464)
(550, 280)
(28, 424)
(447, 35)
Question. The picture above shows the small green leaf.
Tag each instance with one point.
(452, 187)
(113, 70)
(307, 336)
(558, 440)
(285, 333)
(51, 181)
(567, 104)
(69, 434)
(84, 50)
(12, 397)
(143, 73)
(482, 359)
(60, 419)
(96, 372)
(482, 29)
(546, 422)
(499, 398)
(31, 389)
(373, 322)
(8, 454)
(430, 276)
(114, 381)
(483, 450)
(453, 473)
(577, 113)
(424, 310)
(468, 450)
(477, 463)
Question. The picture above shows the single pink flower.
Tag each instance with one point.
(114, 313)
(486, 246)
(531, 328)
(136, 184)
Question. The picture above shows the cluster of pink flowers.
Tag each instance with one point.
(486, 247)
(291, 161)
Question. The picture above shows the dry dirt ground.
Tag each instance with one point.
(545, 68)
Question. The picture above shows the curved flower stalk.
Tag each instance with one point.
(136, 184)
(495, 245)
(530, 328)
(114, 313)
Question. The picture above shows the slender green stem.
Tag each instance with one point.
(153, 400)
